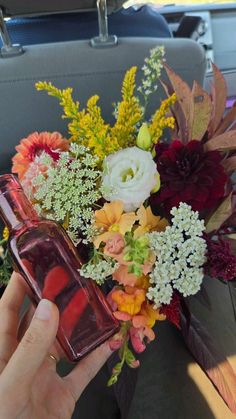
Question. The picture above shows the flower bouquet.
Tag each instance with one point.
(149, 201)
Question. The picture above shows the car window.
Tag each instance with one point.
(176, 2)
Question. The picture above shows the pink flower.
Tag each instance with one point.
(51, 143)
(137, 336)
(35, 168)
(137, 340)
(147, 267)
(134, 364)
(116, 341)
(123, 276)
(114, 245)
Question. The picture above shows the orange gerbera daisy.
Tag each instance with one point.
(34, 145)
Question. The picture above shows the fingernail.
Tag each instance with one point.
(44, 310)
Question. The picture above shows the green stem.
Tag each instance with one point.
(97, 206)
(65, 224)
(124, 348)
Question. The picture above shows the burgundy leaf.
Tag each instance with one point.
(183, 93)
(178, 114)
(227, 121)
(220, 215)
(211, 360)
(219, 96)
(203, 298)
(200, 112)
(223, 142)
(167, 88)
(229, 164)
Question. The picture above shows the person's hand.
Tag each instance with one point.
(30, 387)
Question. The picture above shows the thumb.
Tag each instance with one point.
(34, 346)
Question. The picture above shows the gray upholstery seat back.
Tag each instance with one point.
(89, 71)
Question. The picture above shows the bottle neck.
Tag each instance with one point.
(15, 208)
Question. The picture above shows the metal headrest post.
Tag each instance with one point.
(8, 49)
(103, 40)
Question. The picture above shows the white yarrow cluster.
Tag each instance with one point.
(180, 252)
(100, 271)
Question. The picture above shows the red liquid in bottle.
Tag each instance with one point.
(47, 259)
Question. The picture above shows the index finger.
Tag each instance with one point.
(10, 305)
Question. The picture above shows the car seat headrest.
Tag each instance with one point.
(13, 8)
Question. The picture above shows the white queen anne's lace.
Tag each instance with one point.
(69, 190)
(180, 252)
(100, 271)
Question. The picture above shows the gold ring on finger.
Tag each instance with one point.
(53, 358)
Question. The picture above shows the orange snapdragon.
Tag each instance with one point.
(122, 274)
(143, 282)
(148, 222)
(130, 305)
(112, 219)
(128, 301)
(148, 316)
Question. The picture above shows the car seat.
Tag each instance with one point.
(144, 21)
(77, 64)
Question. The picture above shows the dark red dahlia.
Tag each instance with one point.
(221, 263)
(189, 174)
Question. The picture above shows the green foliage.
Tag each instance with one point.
(5, 267)
(137, 251)
(125, 354)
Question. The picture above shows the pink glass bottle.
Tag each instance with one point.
(44, 255)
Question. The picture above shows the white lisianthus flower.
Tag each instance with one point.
(129, 176)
